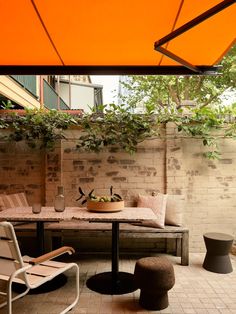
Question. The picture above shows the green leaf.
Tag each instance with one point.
(80, 190)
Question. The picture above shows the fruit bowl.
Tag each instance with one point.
(105, 207)
(102, 204)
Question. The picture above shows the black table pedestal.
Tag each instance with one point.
(103, 283)
(113, 282)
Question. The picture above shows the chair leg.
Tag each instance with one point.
(9, 297)
(77, 290)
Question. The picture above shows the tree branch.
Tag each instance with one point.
(174, 96)
(209, 101)
(200, 83)
(186, 91)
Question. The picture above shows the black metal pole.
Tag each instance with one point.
(115, 252)
(40, 237)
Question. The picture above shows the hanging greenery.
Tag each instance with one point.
(119, 126)
(116, 125)
(44, 126)
(210, 125)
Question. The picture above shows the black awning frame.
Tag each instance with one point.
(106, 70)
(182, 29)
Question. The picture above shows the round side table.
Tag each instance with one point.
(218, 246)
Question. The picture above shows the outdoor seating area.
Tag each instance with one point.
(196, 290)
(118, 157)
(115, 282)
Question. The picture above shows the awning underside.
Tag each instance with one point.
(111, 33)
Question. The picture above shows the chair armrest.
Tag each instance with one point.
(53, 254)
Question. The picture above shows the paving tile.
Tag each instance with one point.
(196, 291)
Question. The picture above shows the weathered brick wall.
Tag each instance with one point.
(129, 175)
(53, 172)
(175, 166)
(22, 170)
(209, 186)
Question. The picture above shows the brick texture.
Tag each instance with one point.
(22, 170)
(174, 166)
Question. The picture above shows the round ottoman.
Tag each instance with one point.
(217, 258)
(154, 276)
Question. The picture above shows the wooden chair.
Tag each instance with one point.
(32, 272)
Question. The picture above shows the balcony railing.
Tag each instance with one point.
(28, 82)
(50, 98)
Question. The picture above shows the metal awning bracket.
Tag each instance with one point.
(179, 60)
(182, 29)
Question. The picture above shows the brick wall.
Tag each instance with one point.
(175, 166)
(22, 170)
(129, 175)
(209, 186)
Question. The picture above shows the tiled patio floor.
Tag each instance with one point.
(196, 291)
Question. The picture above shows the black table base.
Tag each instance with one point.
(48, 286)
(104, 283)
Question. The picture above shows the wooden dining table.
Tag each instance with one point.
(113, 282)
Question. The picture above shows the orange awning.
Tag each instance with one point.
(110, 35)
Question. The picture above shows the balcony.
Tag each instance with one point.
(28, 82)
(50, 98)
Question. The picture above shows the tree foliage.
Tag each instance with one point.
(155, 92)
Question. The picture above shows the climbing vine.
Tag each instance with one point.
(119, 126)
(36, 126)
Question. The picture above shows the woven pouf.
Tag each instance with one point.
(154, 276)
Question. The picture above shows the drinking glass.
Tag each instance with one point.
(36, 208)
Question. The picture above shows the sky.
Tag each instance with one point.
(110, 87)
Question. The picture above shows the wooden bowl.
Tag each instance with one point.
(105, 207)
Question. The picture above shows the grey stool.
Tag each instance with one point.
(154, 276)
(218, 246)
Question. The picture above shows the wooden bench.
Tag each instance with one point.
(83, 228)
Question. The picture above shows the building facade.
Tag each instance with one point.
(34, 92)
